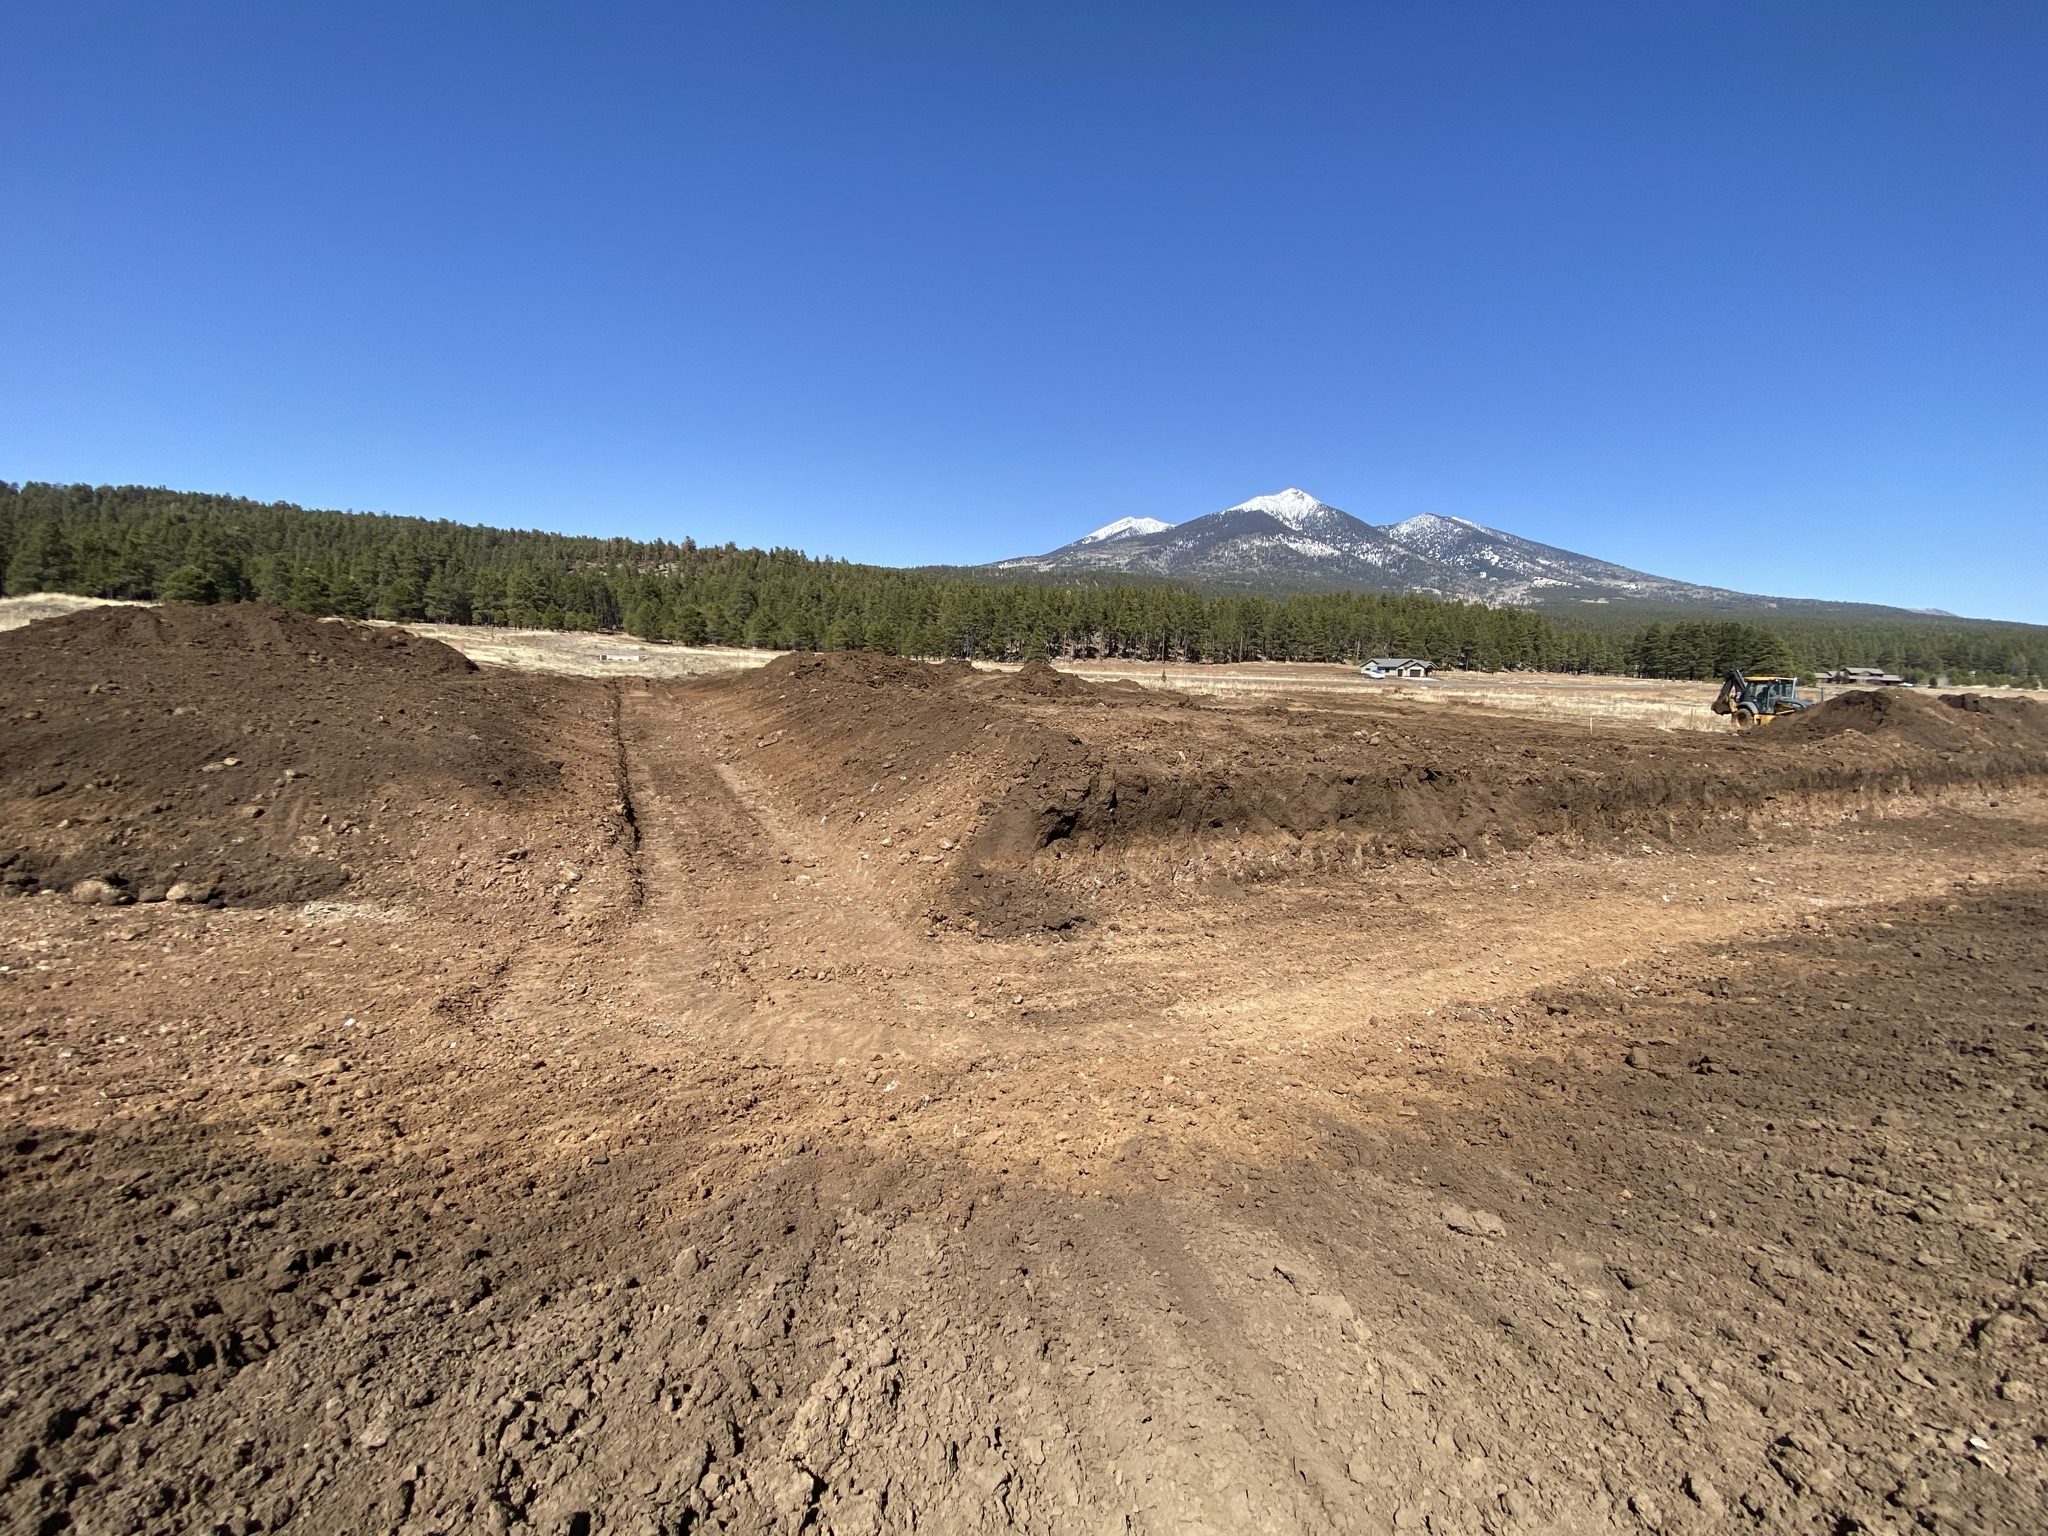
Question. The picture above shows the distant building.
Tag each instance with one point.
(1397, 666)
(1863, 677)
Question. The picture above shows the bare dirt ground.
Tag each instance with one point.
(850, 1096)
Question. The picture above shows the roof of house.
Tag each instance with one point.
(1401, 661)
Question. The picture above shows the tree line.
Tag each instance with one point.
(139, 542)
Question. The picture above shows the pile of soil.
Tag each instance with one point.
(1950, 723)
(1040, 680)
(863, 669)
(1047, 788)
(244, 753)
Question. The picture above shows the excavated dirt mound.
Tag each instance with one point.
(1019, 798)
(244, 752)
(1965, 722)
(811, 669)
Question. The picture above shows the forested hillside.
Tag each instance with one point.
(136, 542)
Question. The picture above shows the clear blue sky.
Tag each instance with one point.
(1752, 294)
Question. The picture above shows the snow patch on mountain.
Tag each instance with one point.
(1124, 528)
(1294, 507)
(1432, 534)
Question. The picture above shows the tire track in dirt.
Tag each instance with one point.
(1406, 943)
(752, 939)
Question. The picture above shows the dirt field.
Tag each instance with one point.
(858, 1096)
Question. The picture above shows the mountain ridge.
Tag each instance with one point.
(1291, 541)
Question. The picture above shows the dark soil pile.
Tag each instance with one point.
(241, 752)
(1954, 722)
(1047, 786)
(1037, 679)
(866, 669)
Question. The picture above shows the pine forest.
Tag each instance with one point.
(136, 542)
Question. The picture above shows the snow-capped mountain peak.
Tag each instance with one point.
(1124, 528)
(1293, 506)
(1317, 547)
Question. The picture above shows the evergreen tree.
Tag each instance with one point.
(44, 562)
(189, 584)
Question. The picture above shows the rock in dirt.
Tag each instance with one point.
(1650, 1327)
(1701, 1490)
(1337, 1308)
(1473, 1223)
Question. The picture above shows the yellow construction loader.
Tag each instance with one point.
(1753, 700)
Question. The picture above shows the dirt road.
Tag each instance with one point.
(852, 1096)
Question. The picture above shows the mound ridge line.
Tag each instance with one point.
(1074, 784)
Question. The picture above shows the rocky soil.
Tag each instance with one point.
(854, 1096)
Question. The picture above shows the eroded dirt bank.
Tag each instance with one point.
(1390, 1123)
